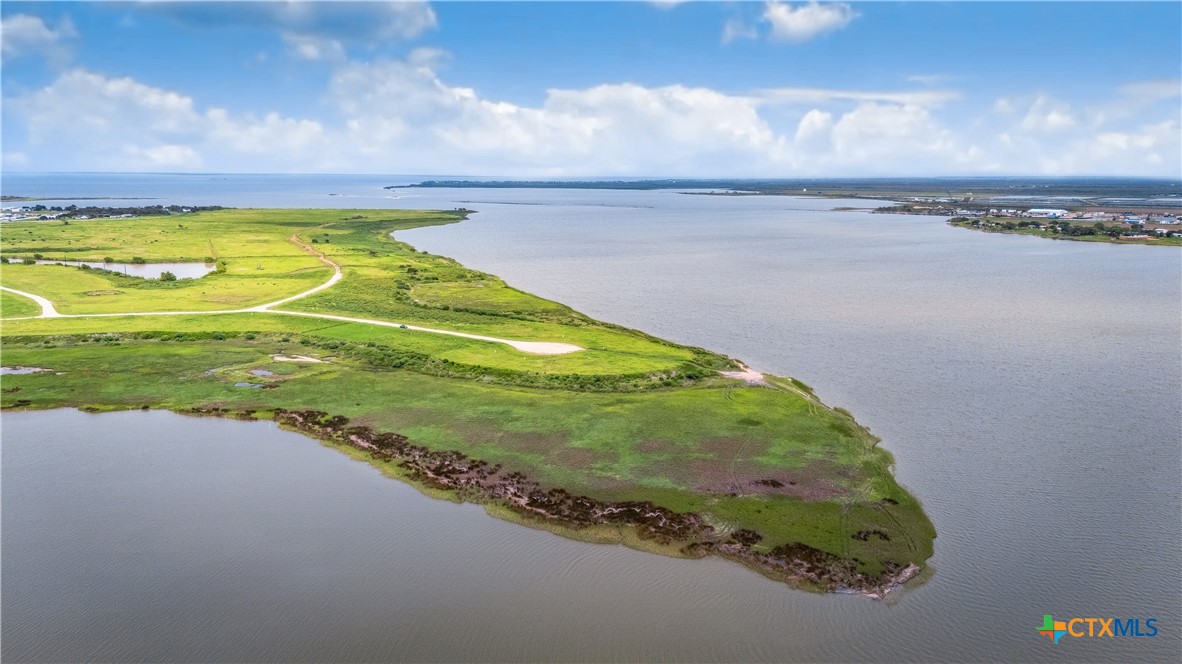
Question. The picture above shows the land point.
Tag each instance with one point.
(452, 380)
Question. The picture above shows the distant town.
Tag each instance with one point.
(40, 212)
(1145, 226)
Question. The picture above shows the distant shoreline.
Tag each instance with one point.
(29, 199)
(1123, 193)
(1048, 233)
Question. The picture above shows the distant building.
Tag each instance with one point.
(1048, 213)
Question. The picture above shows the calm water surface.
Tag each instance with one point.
(1029, 389)
(147, 270)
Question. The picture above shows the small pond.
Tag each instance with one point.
(145, 270)
(17, 371)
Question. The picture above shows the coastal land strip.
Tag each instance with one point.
(451, 380)
(1144, 211)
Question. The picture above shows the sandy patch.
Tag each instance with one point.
(747, 375)
(296, 358)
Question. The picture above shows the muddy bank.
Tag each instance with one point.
(477, 481)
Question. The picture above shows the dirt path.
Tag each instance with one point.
(336, 276)
(47, 310)
(533, 347)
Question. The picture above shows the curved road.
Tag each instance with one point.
(534, 347)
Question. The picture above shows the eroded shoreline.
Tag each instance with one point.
(638, 524)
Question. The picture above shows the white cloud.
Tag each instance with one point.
(1152, 90)
(608, 128)
(84, 104)
(91, 122)
(807, 21)
(15, 160)
(905, 135)
(311, 47)
(162, 157)
(737, 28)
(1154, 145)
(927, 98)
(24, 34)
(1136, 134)
(930, 79)
(270, 136)
(1048, 115)
(815, 124)
(402, 116)
(105, 123)
(1153, 149)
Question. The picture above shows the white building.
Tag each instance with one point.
(1049, 213)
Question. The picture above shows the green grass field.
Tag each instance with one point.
(15, 306)
(630, 418)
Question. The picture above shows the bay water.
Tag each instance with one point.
(1030, 390)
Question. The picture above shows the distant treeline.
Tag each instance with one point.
(1039, 187)
(145, 211)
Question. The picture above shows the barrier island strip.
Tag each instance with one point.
(453, 381)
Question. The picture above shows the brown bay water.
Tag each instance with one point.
(1030, 391)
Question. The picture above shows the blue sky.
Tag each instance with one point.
(706, 89)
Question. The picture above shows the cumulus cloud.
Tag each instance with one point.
(806, 22)
(618, 128)
(96, 118)
(90, 103)
(402, 116)
(24, 34)
(816, 124)
(906, 135)
(1150, 149)
(1130, 130)
(1154, 148)
(1048, 115)
(93, 122)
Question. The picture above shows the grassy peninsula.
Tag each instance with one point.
(452, 380)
